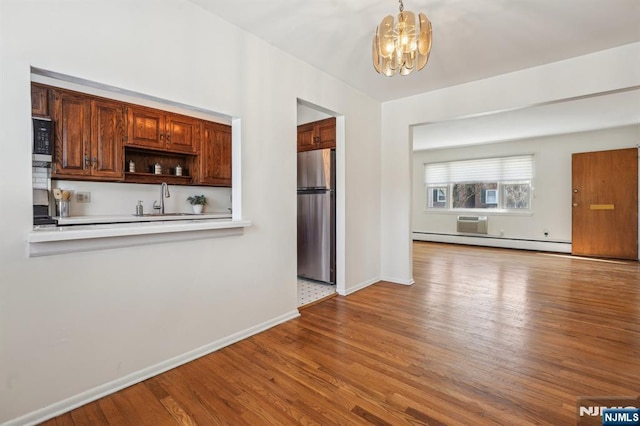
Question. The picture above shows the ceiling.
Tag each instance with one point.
(582, 114)
(472, 40)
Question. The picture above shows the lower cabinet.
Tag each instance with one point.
(215, 154)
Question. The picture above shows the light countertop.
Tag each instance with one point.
(128, 218)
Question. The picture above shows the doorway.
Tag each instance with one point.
(605, 204)
(319, 210)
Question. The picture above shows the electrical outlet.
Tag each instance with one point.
(83, 197)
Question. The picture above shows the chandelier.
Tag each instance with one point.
(403, 46)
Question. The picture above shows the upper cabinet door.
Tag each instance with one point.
(305, 137)
(107, 136)
(146, 127)
(215, 155)
(182, 133)
(326, 133)
(72, 115)
(317, 135)
(39, 100)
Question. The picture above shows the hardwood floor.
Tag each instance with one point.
(484, 336)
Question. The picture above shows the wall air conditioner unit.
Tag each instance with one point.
(472, 224)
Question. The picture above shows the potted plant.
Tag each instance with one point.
(197, 202)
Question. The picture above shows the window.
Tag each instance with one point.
(516, 195)
(491, 196)
(438, 196)
(502, 183)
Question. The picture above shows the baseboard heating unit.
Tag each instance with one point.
(485, 240)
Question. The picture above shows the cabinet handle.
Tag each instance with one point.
(161, 136)
(86, 161)
(95, 162)
(168, 137)
(316, 138)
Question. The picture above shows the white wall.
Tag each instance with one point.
(552, 183)
(308, 114)
(71, 323)
(598, 72)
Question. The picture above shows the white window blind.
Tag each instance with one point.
(500, 169)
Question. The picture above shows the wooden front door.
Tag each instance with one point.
(605, 204)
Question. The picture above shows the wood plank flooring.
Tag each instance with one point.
(484, 336)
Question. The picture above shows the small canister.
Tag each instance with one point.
(139, 209)
(63, 208)
(158, 169)
(178, 170)
(132, 167)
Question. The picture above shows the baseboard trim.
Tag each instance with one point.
(400, 281)
(488, 241)
(358, 287)
(53, 410)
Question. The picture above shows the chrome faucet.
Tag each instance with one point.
(164, 192)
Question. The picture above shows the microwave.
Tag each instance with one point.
(42, 136)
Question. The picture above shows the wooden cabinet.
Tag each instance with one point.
(107, 136)
(182, 133)
(155, 129)
(306, 137)
(95, 138)
(145, 127)
(88, 137)
(39, 100)
(325, 133)
(317, 135)
(215, 154)
(72, 118)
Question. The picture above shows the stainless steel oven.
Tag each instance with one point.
(41, 169)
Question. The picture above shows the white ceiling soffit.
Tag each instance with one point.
(569, 116)
(472, 39)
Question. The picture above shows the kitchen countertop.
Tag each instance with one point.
(127, 218)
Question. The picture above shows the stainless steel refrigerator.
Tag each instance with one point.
(317, 215)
